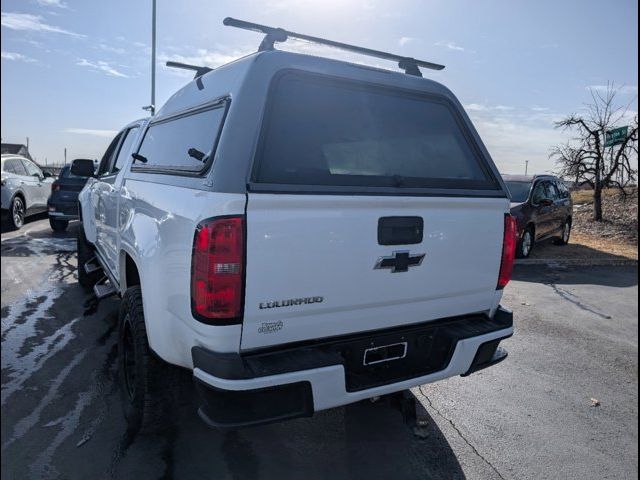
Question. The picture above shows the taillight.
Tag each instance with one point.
(217, 270)
(55, 186)
(508, 251)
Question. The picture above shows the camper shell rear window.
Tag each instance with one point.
(322, 131)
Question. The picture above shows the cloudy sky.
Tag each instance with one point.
(74, 72)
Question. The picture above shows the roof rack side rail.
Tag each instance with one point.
(273, 34)
(185, 66)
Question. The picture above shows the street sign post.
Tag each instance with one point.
(615, 136)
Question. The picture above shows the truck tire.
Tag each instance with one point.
(58, 225)
(85, 253)
(145, 386)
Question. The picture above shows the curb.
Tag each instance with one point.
(586, 262)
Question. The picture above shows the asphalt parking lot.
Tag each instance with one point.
(531, 417)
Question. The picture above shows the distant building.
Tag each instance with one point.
(16, 149)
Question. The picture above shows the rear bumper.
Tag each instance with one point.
(62, 210)
(262, 387)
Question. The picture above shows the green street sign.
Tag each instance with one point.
(615, 136)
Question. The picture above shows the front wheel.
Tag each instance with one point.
(58, 225)
(17, 213)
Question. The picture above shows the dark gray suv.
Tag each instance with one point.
(543, 209)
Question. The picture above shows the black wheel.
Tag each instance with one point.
(17, 212)
(58, 225)
(526, 242)
(85, 253)
(145, 380)
(565, 236)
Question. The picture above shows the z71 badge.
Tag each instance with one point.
(290, 302)
(270, 327)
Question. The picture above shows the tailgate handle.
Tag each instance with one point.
(400, 230)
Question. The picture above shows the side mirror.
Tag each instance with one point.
(46, 175)
(82, 167)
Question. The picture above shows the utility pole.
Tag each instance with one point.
(526, 166)
(153, 58)
(27, 144)
(65, 155)
(152, 108)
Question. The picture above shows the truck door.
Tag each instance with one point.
(108, 230)
(100, 189)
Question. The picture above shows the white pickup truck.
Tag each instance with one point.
(301, 233)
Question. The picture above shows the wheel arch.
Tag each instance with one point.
(20, 193)
(129, 271)
(532, 226)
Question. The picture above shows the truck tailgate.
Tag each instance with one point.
(310, 267)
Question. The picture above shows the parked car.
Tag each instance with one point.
(25, 188)
(543, 209)
(63, 201)
(300, 233)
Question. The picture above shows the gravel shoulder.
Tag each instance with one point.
(614, 241)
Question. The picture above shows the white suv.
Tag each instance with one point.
(301, 233)
(25, 189)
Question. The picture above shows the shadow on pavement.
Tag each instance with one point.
(608, 276)
(547, 250)
(6, 228)
(364, 440)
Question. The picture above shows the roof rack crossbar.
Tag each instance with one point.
(185, 66)
(272, 35)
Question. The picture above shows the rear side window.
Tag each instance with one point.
(322, 131)
(183, 143)
(13, 165)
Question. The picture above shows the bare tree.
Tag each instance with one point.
(585, 157)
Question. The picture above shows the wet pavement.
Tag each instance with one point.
(530, 417)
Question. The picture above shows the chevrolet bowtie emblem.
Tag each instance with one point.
(400, 261)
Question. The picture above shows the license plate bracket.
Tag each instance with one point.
(384, 353)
